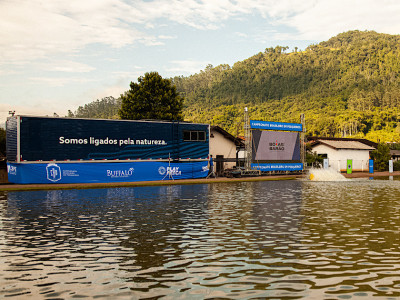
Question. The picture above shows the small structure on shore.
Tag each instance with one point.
(227, 151)
(339, 150)
(395, 155)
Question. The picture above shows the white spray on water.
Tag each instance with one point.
(325, 175)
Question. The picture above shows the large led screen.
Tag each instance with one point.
(275, 146)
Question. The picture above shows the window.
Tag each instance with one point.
(192, 136)
(186, 135)
(202, 135)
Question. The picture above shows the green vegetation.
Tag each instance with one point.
(2, 142)
(312, 158)
(346, 86)
(381, 157)
(152, 98)
(106, 108)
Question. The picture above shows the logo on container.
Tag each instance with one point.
(53, 172)
(11, 170)
(173, 171)
(162, 170)
(120, 173)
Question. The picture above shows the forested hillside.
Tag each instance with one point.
(106, 108)
(346, 86)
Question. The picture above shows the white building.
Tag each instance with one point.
(225, 149)
(338, 151)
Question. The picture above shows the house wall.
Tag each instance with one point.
(220, 145)
(338, 158)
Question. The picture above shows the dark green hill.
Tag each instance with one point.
(348, 85)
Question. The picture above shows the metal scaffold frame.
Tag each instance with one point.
(248, 171)
(249, 125)
(303, 141)
(247, 140)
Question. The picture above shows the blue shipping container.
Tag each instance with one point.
(81, 142)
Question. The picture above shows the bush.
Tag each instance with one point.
(381, 157)
(2, 142)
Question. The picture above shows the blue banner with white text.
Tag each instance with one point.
(31, 173)
(266, 125)
(278, 166)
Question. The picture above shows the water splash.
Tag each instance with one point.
(325, 175)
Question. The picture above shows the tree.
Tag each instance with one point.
(312, 158)
(152, 98)
(106, 108)
(381, 157)
(2, 142)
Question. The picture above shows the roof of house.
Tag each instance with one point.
(313, 139)
(227, 135)
(343, 144)
(395, 152)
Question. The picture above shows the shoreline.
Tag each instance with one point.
(366, 174)
(37, 187)
(69, 186)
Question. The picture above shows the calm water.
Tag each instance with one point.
(289, 239)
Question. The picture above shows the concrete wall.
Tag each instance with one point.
(338, 158)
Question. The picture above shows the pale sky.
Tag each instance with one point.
(56, 55)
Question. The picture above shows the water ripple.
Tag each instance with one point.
(261, 240)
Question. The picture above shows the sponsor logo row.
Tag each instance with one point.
(55, 172)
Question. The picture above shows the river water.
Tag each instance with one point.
(246, 240)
